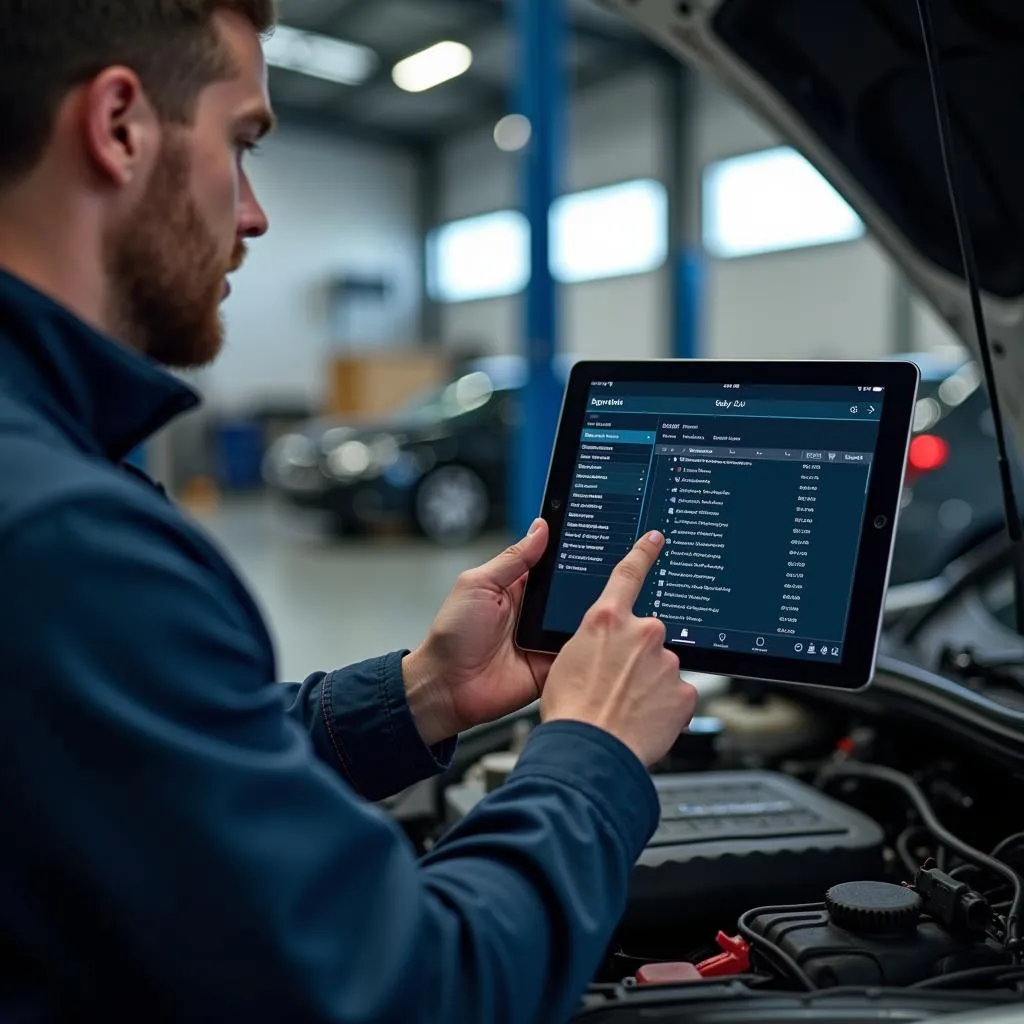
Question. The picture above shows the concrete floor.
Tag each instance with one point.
(328, 602)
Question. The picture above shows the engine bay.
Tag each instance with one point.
(811, 846)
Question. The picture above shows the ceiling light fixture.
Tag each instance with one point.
(432, 66)
(512, 133)
(318, 56)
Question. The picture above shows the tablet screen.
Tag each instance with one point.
(761, 491)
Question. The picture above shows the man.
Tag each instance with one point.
(185, 838)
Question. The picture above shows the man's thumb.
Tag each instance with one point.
(520, 558)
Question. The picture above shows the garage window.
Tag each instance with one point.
(609, 232)
(479, 258)
(772, 201)
(600, 233)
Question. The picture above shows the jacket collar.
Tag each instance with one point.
(106, 397)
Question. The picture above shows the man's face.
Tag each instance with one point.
(168, 260)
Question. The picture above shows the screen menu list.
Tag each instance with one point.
(761, 495)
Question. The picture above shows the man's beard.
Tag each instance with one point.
(166, 273)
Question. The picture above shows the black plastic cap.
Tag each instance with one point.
(873, 908)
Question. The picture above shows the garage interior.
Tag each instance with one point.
(465, 199)
(344, 312)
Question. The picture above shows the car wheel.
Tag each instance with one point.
(343, 525)
(452, 505)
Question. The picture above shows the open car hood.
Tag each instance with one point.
(845, 83)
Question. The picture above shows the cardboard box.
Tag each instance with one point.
(368, 385)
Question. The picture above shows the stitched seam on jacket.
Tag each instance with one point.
(382, 685)
(328, 717)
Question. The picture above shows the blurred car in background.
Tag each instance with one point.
(440, 464)
(951, 498)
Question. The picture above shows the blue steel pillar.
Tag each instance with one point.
(688, 267)
(688, 301)
(541, 37)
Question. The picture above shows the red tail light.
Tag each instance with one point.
(927, 452)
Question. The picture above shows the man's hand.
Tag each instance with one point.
(468, 671)
(616, 674)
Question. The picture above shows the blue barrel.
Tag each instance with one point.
(239, 453)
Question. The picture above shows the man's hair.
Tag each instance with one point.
(47, 47)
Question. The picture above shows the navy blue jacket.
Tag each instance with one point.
(186, 839)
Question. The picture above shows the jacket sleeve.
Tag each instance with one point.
(361, 725)
(180, 845)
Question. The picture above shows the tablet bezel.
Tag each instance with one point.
(856, 668)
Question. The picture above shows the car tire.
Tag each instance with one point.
(452, 505)
(344, 526)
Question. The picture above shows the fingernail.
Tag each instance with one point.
(654, 537)
(537, 523)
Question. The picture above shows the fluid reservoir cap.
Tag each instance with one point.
(873, 908)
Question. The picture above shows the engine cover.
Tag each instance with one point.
(729, 841)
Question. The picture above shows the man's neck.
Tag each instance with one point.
(43, 247)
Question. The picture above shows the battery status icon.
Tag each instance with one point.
(878, 389)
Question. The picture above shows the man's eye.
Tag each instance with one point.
(248, 147)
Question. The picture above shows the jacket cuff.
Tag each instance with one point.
(372, 731)
(603, 768)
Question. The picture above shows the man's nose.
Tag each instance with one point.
(253, 222)
(252, 219)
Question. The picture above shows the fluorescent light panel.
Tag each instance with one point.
(432, 66)
(480, 257)
(609, 232)
(772, 201)
(318, 56)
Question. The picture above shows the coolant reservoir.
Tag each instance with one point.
(762, 728)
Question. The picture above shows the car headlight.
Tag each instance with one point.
(353, 459)
(348, 460)
(291, 462)
(294, 450)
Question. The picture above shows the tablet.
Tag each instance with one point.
(777, 485)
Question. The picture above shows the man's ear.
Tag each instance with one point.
(121, 130)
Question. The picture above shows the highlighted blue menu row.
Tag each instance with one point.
(621, 436)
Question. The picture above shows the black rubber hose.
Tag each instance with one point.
(975, 974)
(903, 849)
(877, 773)
(1008, 844)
